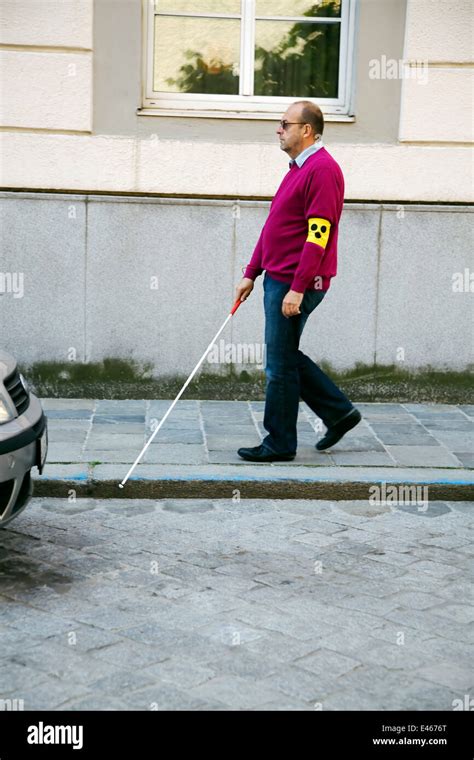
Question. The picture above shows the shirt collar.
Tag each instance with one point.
(301, 157)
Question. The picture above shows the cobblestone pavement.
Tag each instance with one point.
(237, 605)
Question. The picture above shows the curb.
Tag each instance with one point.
(283, 488)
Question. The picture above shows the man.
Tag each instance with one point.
(297, 248)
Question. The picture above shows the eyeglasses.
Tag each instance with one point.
(285, 124)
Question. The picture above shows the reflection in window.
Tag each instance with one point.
(192, 7)
(207, 48)
(294, 8)
(296, 59)
(197, 55)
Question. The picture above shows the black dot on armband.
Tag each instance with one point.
(317, 234)
(323, 229)
(314, 226)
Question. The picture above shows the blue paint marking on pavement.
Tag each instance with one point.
(262, 478)
(271, 478)
(64, 477)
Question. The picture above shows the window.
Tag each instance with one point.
(247, 57)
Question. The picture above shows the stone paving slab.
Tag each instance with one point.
(400, 443)
(236, 605)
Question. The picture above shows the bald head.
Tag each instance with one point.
(311, 114)
(303, 124)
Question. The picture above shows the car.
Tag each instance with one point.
(23, 439)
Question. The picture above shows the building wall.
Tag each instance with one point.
(440, 112)
(70, 90)
(152, 279)
(70, 96)
(46, 66)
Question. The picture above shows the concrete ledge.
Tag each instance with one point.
(284, 483)
(177, 200)
(379, 311)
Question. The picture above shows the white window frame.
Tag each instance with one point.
(245, 105)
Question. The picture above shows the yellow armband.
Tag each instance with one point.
(318, 231)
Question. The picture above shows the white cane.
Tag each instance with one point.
(234, 309)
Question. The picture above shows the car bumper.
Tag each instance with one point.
(23, 445)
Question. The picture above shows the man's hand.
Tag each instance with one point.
(244, 288)
(291, 303)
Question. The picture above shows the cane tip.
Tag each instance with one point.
(120, 485)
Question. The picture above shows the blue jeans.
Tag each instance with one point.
(290, 374)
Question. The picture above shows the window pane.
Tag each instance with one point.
(198, 55)
(204, 6)
(296, 60)
(328, 8)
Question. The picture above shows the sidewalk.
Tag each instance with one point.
(92, 445)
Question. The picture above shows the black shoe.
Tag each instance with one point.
(263, 454)
(335, 432)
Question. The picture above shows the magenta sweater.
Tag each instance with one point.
(314, 190)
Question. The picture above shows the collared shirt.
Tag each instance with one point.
(306, 153)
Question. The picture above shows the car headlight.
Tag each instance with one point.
(5, 413)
